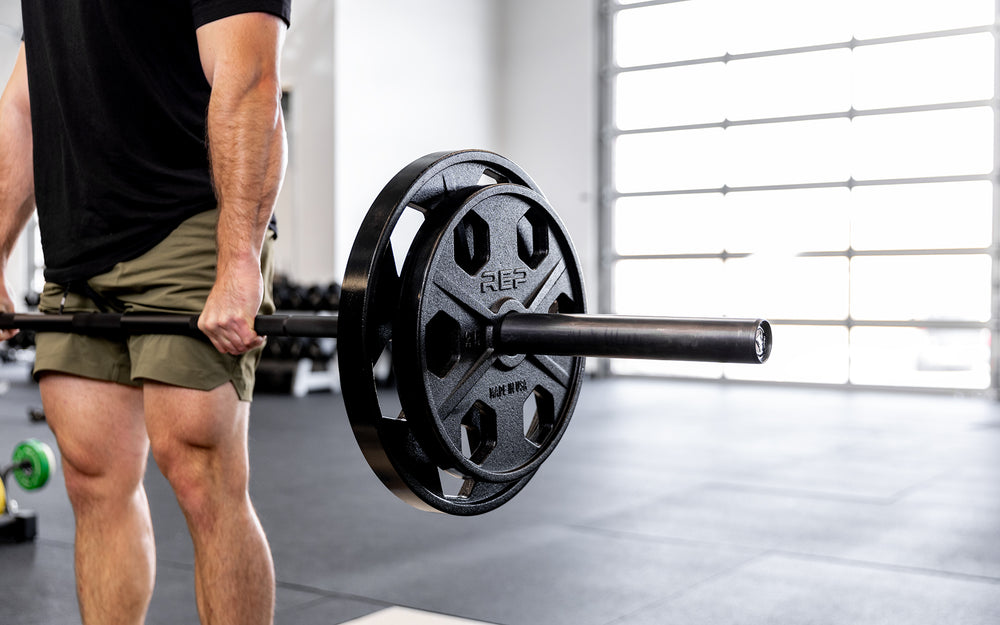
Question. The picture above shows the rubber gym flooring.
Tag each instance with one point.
(666, 502)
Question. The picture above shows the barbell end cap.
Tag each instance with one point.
(762, 341)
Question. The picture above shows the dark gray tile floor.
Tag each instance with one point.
(666, 502)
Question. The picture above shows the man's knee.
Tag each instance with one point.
(95, 480)
(202, 483)
(198, 440)
(203, 478)
(102, 442)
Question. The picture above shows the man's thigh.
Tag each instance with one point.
(213, 420)
(99, 426)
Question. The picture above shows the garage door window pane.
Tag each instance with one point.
(671, 224)
(922, 216)
(793, 84)
(885, 18)
(927, 71)
(932, 357)
(941, 288)
(779, 287)
(753, 27)
(664, 161)
(788, 153)
(788, 221)
(674, 96)
(669, 32)
(671, 288)
(931, 143)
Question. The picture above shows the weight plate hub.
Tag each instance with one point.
(410, 454)
(33, 462)
(487, 253)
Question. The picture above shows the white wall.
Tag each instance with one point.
(548, 98)
(411, 78)
(305, 206)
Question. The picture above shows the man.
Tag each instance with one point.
(138, 212)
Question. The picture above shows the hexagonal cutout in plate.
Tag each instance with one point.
(472, 243)
(539, 415)
(454, 486)
(533, 237)
(443, 342)
(479, 432)
(491, 177)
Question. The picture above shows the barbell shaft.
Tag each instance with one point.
(145, 323)
(713, 340)
(661, 338)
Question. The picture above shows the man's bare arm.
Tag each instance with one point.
(246, 141)
(17, 180)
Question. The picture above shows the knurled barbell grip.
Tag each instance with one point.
(607, 336)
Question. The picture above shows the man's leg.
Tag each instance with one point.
(102, 439)
(199, 441)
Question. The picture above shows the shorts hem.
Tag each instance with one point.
(83, 372)
(243, 394)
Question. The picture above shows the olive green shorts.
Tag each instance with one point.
(174, 277)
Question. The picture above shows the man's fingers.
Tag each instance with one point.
(235, 336)
(6, 306)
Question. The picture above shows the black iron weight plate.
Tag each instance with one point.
(369, 300)
(485, 254)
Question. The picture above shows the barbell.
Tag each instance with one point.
(487, 328)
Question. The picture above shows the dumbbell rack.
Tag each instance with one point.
(16, 525)
(308, 374)
(311, 376)
(311, 363)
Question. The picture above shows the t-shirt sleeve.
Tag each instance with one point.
(205, 11)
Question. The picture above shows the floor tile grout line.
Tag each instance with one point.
(308, 605)
(789, 492)
(889, 567)
(650, 538)
(868, 564)
(967, 577)
(903, 493)
(680, 592)
(323, 593)
(807, 493)
(886, 500)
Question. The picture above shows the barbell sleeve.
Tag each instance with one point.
(663, 338)
(310, 326)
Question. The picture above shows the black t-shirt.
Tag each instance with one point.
(118, 109)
